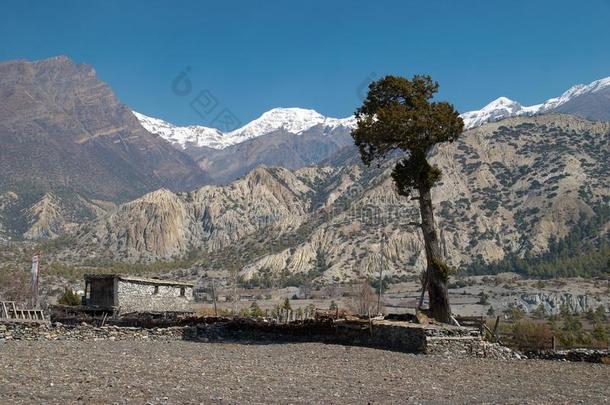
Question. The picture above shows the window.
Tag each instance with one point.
(182, 291)
(156, 290)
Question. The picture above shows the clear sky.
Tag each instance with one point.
(255, 55)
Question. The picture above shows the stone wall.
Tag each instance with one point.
(57, 331)
(397, 336)
(392, 336)
(139, 297)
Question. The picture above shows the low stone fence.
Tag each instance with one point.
(58, 331)
(586, 355)
(388, 335)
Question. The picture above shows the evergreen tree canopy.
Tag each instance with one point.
(398, 114)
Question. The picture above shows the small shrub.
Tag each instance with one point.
(69, 297)
(528, 335)
(256, 311)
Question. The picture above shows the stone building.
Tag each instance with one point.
(125, 294)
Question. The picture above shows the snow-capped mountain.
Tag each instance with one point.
(299, 120)
(504, 108)
(291, 120)
(497, 110)
(194, 135)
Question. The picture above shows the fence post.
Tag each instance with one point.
(494, 333)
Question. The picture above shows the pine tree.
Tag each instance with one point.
(398, 115)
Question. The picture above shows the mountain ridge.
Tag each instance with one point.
(297, 120)
(61, 127)
(507, 187)
(504, 107)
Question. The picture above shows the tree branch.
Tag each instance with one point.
(413, 224)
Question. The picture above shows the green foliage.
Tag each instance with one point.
(584, 252)
(266, 279)
(514, 312)
(333, 306)
(530, 335)
(443, 269)
(256, 311)
(69, 297)
(286, 305)
(397, 114)
(600, 332)
(571, 331)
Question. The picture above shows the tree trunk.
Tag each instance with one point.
(437, 271)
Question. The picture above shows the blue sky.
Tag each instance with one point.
(253, 56)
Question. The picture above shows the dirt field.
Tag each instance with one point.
(189, 372)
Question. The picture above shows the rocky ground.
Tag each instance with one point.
(189, 372)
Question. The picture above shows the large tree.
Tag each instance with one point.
(399, 114)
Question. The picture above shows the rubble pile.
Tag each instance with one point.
(470, 347)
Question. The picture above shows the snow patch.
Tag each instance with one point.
(293, 120)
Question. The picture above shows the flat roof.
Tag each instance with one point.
(140, 280)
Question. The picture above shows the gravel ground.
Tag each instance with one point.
(189, 372)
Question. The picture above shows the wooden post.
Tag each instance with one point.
(214, 298)
(380, 285)
(553, 342)
(495, 331)
(4, 311)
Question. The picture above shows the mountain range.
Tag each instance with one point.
(587, 101)
(507, 187)
(287, 192)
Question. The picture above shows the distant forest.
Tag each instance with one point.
(585, 252)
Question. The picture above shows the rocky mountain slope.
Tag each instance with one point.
(52, 214)
(62, 130)
(507, 187)
(284, 137)
(163, 224)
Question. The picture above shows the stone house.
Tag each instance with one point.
(124, 294)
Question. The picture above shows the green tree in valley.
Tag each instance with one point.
(255, 310)
(398, 114)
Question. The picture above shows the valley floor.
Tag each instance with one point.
(189, 372)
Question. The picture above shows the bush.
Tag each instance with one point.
(528, 335)
(69, 297)
(256, 311)
(483, 298)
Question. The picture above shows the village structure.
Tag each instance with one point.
(123, 294)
